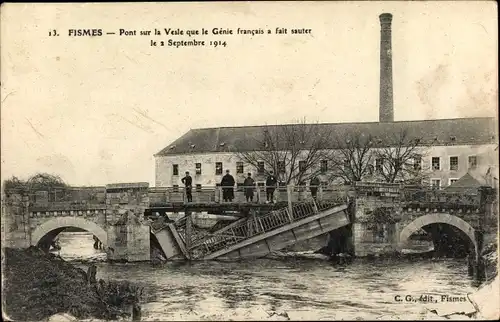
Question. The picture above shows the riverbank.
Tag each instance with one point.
(37, 285)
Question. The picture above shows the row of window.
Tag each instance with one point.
(219, 169)
(453, 164)
(417, 163)
(436, 183)
(240, 186)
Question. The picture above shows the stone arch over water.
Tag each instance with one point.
(52, 227)
(438, 218)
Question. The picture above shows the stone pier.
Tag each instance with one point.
(128, 233)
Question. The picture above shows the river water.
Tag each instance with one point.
(303, 288)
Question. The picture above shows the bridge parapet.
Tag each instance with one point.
(432, 198)
(68, 196)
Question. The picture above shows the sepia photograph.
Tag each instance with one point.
(249, 161)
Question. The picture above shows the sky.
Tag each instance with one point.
(94, 110)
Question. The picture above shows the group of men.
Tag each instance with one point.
(227, 183)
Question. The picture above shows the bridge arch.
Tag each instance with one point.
(438, 218)
(55, 225)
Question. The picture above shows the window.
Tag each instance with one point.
(435, 183)
(379, 162)
(218, 167)
(198, 187)
(281, 167)
(198, 168)
(176, 188)
(260, 167)
(175, 169)
(436, 163)
(453, 163)
(239, 167)
(417, 163)
(472, 162)
(302, 166)
(323, 166)
(452, 181)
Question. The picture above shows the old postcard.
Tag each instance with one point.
(212, 161)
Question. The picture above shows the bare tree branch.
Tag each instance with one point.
(352, 161)
(292, 151)
(402, 161)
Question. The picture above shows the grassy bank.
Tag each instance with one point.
(37, 285)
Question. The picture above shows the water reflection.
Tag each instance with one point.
(305, 288)
(78, 246)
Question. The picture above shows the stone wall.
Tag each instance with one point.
(16, 231)
(489, 203)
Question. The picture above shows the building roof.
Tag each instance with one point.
(466, 182)
(478, 130)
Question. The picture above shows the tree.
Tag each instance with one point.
(353, 159)
(292, 151)
(402, 159)
(37, 182)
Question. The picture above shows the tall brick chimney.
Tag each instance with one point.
(386, 108)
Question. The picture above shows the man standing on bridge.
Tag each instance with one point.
(249, 185)
(270, 186)
(227, 185)
(314, 185)
(188, 183)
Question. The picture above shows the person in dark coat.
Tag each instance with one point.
(188, 184)
(96, 242)
(227, 185)
(271, 182)
(314, 185)
(249, 185)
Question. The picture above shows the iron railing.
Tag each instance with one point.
(215, 194)
(257, 225)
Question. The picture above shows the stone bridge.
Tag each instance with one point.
(114, 214)
(382, 220)
(386, 217)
